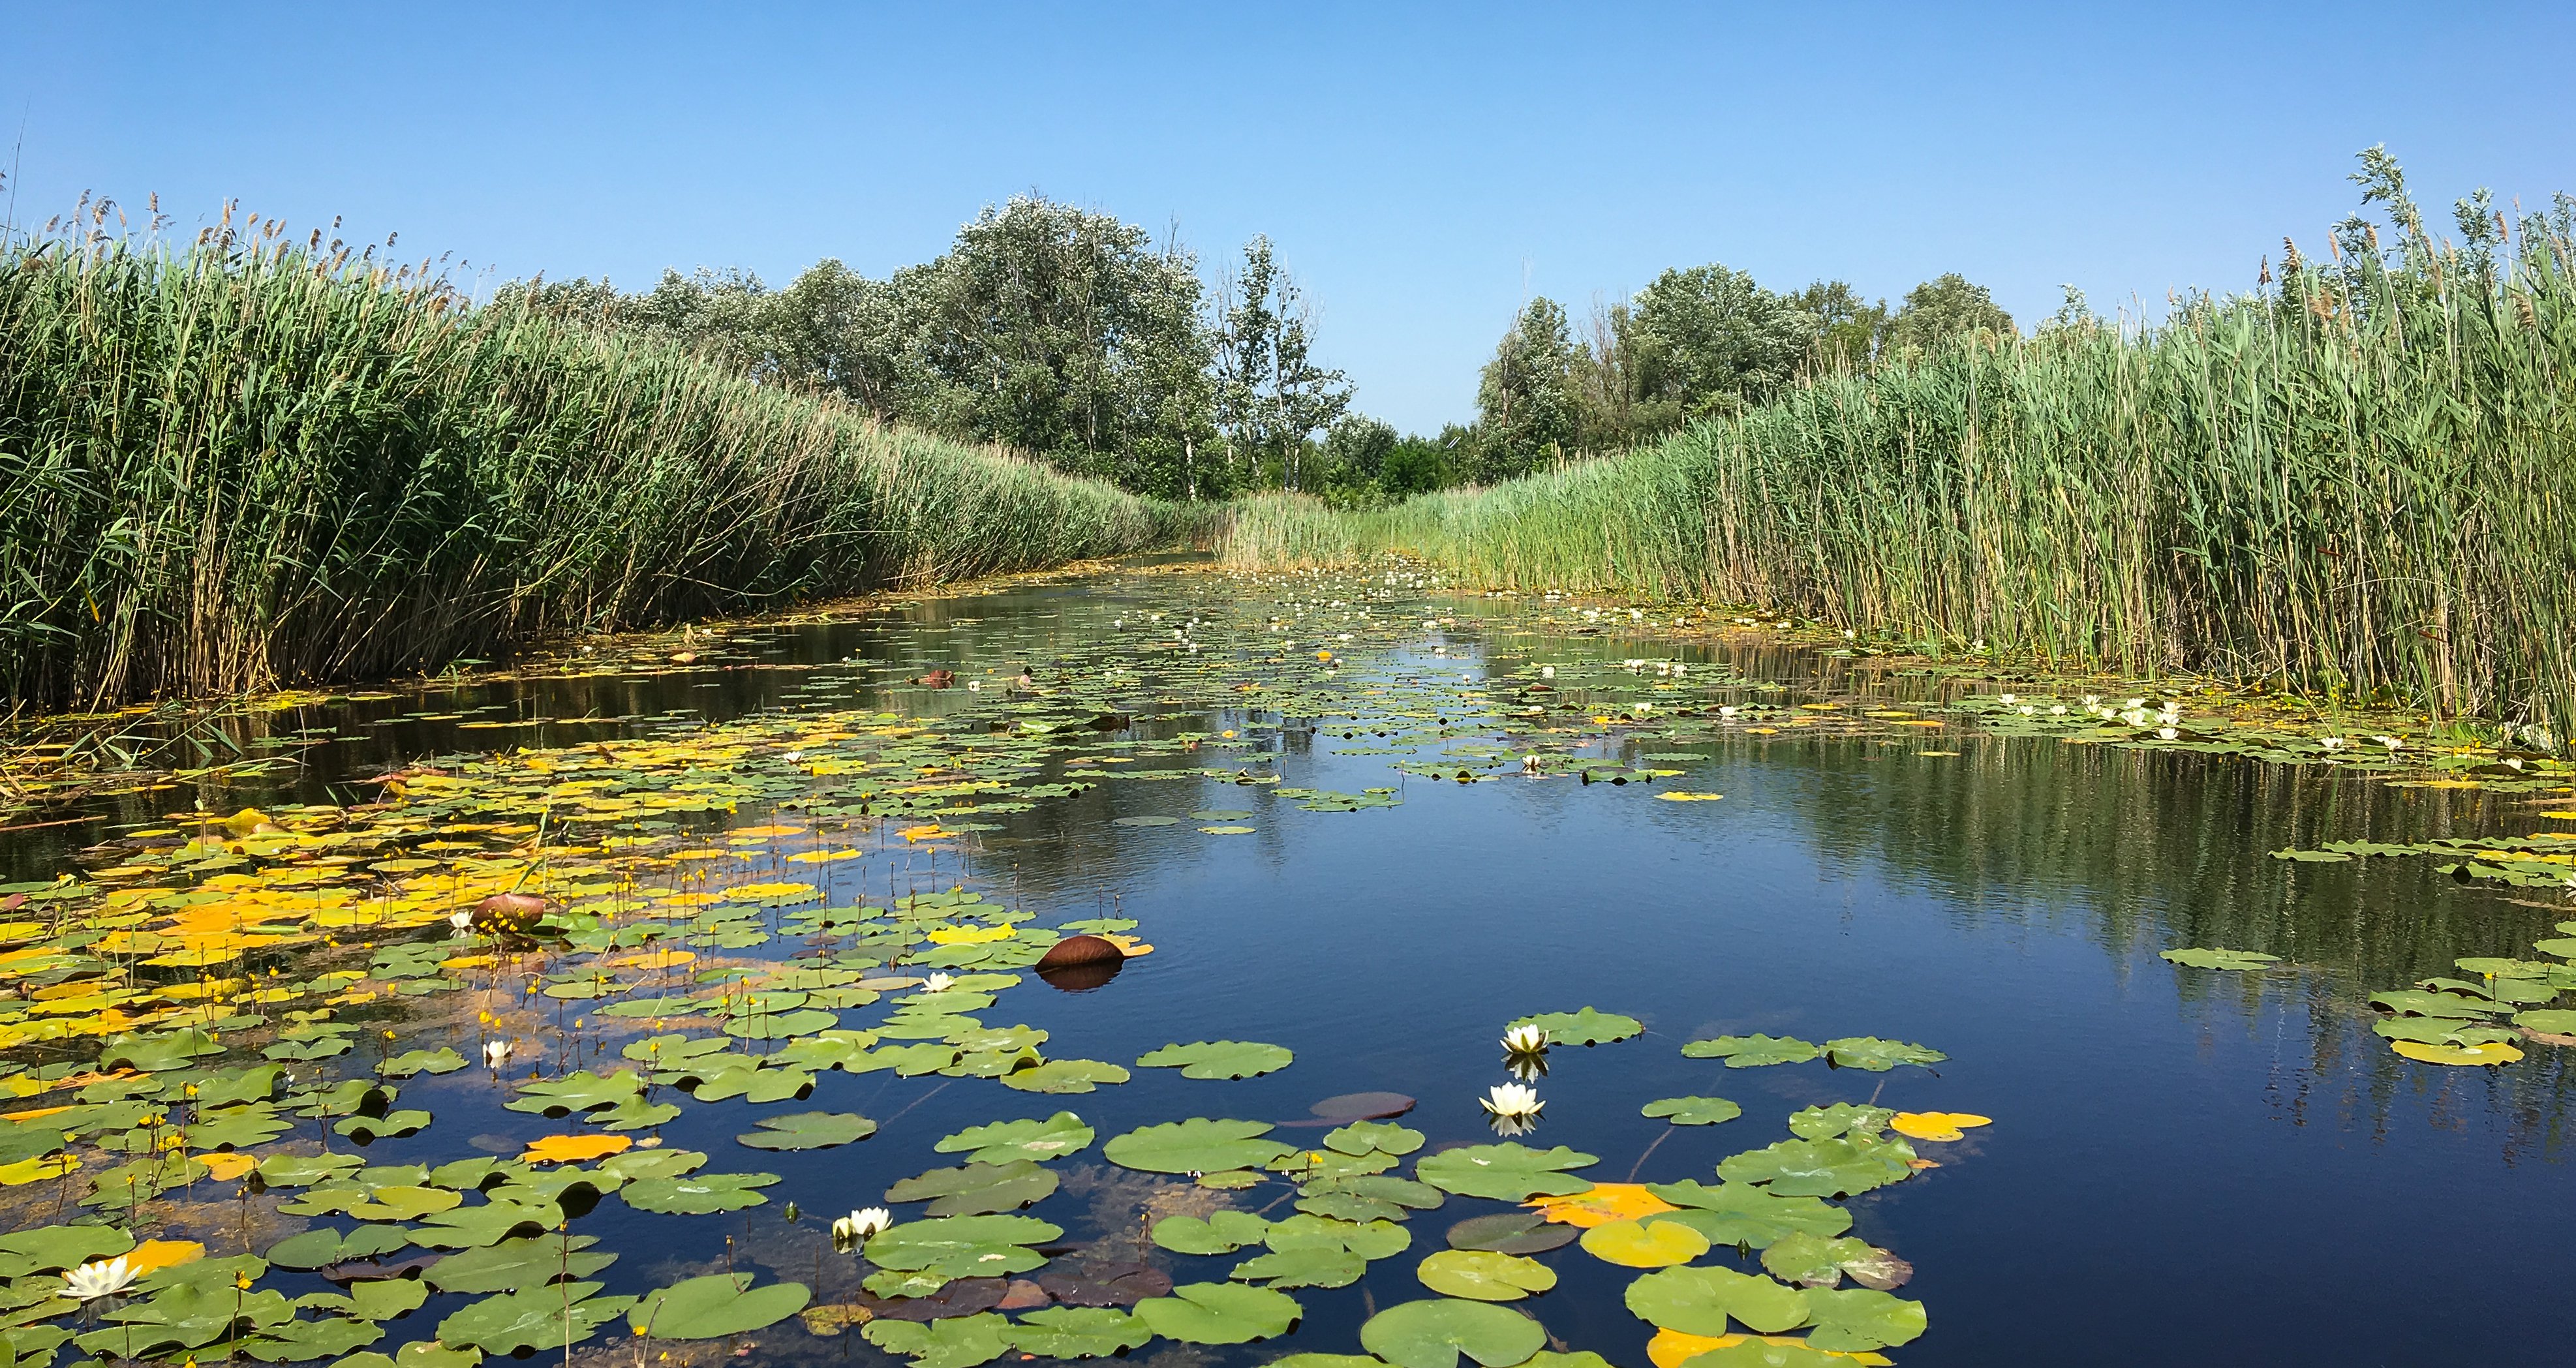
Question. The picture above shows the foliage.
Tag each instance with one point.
(2349, 483)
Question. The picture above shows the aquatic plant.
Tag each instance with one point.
(256, 460)
(2353, 483)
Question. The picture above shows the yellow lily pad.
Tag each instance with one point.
(1644, 1244)
(2494, 1053)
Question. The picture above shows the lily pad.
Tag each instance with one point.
(2196, 958)
(977, 1189)
(514, 1264)
(1511, 1232)
(1321, 1265)
(1878, 1056)
(1485, 1275)
(1064, 1076)
(806, 1131)
(1374, 1137)
(1842, 1118)
(1693, 1111)
(1219, 1313)
(1700, 1301)
(1507, 1172)
(1858, 1320)
(1059, 1135)
(1220, 1232)
(958, 1342)
(1822, 1168)
(1753, 1051)
(963, 1246)
(1219, 1059)
(1079, 1332)
(1742, 1214)
(1197, 1145)
(536, 1318)
(1650, 1242)
(697, 1194)
(715, 1306)
(1434, 1333)
(1584, 1027)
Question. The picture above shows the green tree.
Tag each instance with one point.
(1710, 340)
(1849, 331)
(1944, 307)
(1528, 402)
(1269, 395)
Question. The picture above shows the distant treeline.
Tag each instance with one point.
(2358, 480)
(1074, 336)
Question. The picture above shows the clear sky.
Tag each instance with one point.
(1419, 167)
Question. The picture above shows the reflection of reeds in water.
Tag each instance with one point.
(255, 461)
(2356, 481)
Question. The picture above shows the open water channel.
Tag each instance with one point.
(754, 858)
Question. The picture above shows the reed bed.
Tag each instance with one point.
(2361, 484)
(249, 462)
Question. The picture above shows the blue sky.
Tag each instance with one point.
(1419, 167)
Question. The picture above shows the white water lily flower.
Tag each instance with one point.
(1547, 672)
(2137, 703)
(2009, 699)
(1727, 711)
(1512, 1102)
(1526, 1038)
(2027, 710)
(2057, 710)
(2092, 700)
(862, 1224)
(938, 983)
(105, 1278)
(496, 1053)
(2331, 742)
(1529, 764)
(1680, 668)
(461, 919)
(2168, 733)
(2390, 742)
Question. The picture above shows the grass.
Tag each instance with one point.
(249, 463)
(2362, 484)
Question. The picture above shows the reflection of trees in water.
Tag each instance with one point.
(2146, 851)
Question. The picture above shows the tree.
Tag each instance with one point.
(1710, 340)
(1269, 394)
(1528, 403)
(1849, 332)
(1944, 307)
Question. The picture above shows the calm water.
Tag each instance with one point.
(2184, 1166)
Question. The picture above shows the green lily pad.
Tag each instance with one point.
(521, 1263)
(1374, 1137)
(1079, 1332)
(2416, 1002)
(1753, 1051)
(322, 1246)
(697, 1194)
(1317, 1265)
(2549, 1022)
(1508, 1172)
(1219, 1313)
(2196, 958)
(1219, 1059)
(1876, 1055)
(806, 1131)
(1822, 1168)
(409, 1062)
(1824, 1123)
(1693, 1111)
(1484, 1275)
(1433, 1333)
(1511, 1232)
(955, 1342)
(1059, 1135)
(1197, 1145)
(715, 1306)
(1585, 1027)
(1814, 1261)
(1064, 1076)
(963, 1246)
(1220, 1232)
(535, 1318)
(1742, 1214)
(48, 1249)
(1860, 1319)
(301, 1341)
(1700, 1301)
(976, 1189)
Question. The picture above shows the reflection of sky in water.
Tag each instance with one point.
(2183, 1164)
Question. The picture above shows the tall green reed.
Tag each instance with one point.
(251, 462)
(2362, 483)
